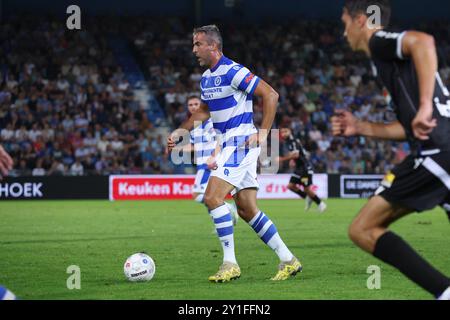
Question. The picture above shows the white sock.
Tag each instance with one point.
(233, 211)
(224, 227)
(231, 206)
(268, 233)
(199, 198)
(445, 295)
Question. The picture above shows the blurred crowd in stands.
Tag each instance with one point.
(66, 107)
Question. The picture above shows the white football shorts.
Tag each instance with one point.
(241, 175)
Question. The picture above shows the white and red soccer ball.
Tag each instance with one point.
(139, 267)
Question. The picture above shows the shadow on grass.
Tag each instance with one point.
(323, 245)
(71, 240)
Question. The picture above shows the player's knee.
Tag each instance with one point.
(198, 197)
(356, 232)
(212, 201)
(241, 212)
(248, 214)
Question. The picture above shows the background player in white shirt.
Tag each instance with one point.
(227, 90)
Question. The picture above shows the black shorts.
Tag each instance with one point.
(301, 178)
(419, 184)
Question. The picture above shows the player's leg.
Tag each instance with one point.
(198, 197)
(369, 231)
(293, 186)
(314, 198)
(233, 210)
(214, 198)
(248, 210)
(446, 207)
(216, 192)
(200, 184)
(372, 222)
(306, 180)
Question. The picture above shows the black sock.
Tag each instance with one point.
(300, 193)
(394, 250)
(317, 200)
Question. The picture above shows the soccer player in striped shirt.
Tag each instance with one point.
(227, 90)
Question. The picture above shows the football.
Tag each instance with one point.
(139, 267)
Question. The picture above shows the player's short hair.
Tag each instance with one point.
(212, 32)
(192, 97)
(356, 7)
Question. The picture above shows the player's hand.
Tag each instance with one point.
(257, 139)
(252, 141)
(423, 124)
(211, 163)
(344, 124)
(171, 142)
(292, 164)
(6, 163)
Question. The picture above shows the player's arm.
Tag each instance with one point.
(197, 118)
(246, 81)
(185, 148)
(211, 161)
(421, 48)
(270, 102)
(344, 124)
(6, 163)
(290, 156)
(183, 131)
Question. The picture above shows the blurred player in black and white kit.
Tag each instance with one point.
(304, 171)
(406, 64)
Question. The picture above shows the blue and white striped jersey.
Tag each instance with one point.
(203, 139)
(228, 90)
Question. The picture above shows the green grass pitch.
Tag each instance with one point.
(40, 239)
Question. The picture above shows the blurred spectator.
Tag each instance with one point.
(77, 169)
(38, 170)
(57, 169)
